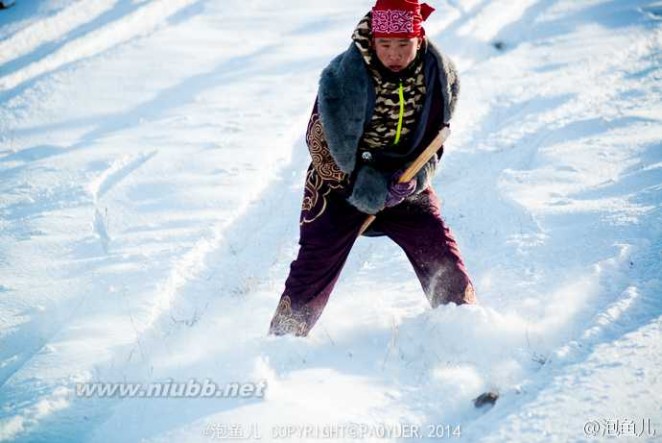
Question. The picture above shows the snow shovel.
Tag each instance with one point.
(415, 167)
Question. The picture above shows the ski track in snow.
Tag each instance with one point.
(112, 32)
(105, 182)
(28, 39)
(152, 242)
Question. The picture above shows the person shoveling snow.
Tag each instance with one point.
(379, 105)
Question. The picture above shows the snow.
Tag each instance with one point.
(152, 165)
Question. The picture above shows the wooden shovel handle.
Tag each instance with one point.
(415, 167)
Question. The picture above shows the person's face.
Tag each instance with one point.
(397, 53)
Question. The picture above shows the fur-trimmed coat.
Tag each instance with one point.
(345, 103)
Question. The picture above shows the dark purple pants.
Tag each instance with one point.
(330, 226)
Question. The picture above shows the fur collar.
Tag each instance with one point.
(346, 101)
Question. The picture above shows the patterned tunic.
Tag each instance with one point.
(381, 132)
(324, 174)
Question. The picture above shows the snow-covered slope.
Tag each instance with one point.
(152, 166)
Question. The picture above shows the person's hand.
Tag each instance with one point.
(397, 191)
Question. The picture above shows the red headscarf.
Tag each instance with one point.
(399, 18)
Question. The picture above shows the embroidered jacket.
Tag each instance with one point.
(345, 128)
